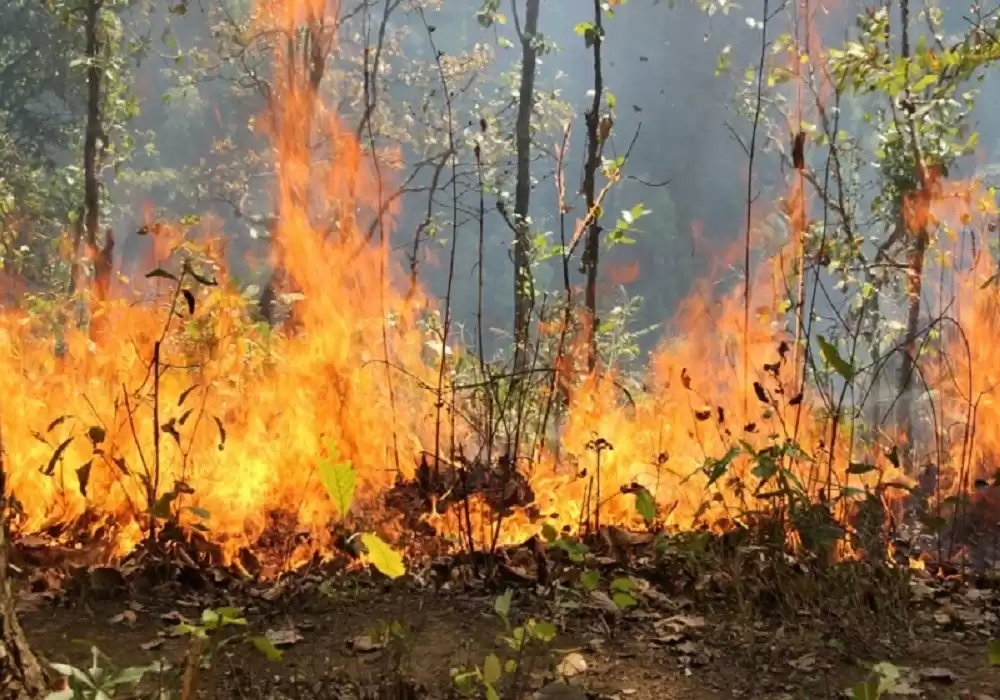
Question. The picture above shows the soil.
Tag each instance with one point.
(662, 650)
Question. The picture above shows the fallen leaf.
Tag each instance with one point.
(283, 638)
(128, 616)
(804, 663)
(365, 644)
(603, 601)
(937, 674)
(152, 644)
(682, 622)
(572, 664)
(689, 648)
(921, 591)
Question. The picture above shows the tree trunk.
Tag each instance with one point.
(592, 248)
(20, 673)
(93, 133)
(523, 291)
(913, 213)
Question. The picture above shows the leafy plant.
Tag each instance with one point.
(340, 479)
(521, 647)
(101, 681)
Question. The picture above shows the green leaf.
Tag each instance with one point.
(382, 556)
(645, 504)
(543, 631)
(590, 578)
(925, 82)
(209, 617)
(716, 468)
(492, 670)
(266, 647)
(623, 584)
(624, 601)
(340, 480)
(993, 653)
(502, 603)
(833, 358)
(865, 691)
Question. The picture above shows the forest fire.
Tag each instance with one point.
(183, 408)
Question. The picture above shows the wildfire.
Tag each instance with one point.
(185, 408)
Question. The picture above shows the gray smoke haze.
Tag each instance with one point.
(659, 62)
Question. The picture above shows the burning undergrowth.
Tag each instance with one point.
(170, 424)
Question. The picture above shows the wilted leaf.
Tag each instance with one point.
(170, 428)
(160, 272)
(83, 478)
(860, 468)
(56, 423)
(222, 432)
(382, 556)
(208, 282)
(50, 468)
(761, 393)
(96, 434)
(184, 394)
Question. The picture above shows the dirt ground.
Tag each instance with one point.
(663, 650)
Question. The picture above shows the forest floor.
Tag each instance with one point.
(671, 646)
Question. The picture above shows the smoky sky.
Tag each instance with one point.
(686, 166)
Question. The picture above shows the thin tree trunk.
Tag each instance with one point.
(523, 291)
(20, 673)
(592, 249)
(93, 133)
(917, 223)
